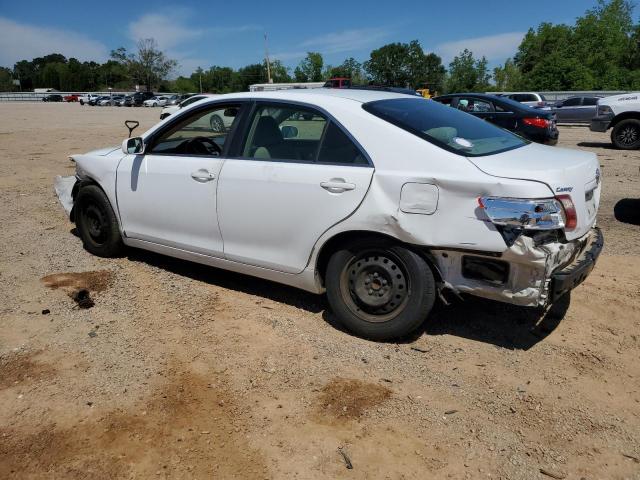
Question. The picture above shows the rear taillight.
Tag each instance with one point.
(570, 215)
(536, 122)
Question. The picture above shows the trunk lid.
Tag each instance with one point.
(564, 171)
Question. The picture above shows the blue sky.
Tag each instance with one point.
(231, 33)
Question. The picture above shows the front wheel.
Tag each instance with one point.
(626, 134)
(97, 223)
(379, 290)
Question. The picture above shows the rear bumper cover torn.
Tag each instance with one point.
(538, 274)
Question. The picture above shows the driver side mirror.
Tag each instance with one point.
(133, 146)
(289, 131)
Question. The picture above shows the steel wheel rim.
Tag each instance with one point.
(628, 135)
(375, 286)
(217, 125)
(95, 221)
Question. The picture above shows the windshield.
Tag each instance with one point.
(448, 128)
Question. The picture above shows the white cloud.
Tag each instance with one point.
(175, 35)
(19, 41)
(338, 42)
(168, 31)
(494, 47)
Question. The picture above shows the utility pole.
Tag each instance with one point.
(266, 51)
(200, 72)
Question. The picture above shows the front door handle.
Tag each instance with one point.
(202, 175)
(337, 185)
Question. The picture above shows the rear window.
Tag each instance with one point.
(448, 128)
(523, 97)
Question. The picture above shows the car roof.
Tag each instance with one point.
(318, 96)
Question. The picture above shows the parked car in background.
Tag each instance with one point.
(531, 123)
(173, 99)
(575, 109)
(74, 97)
(96, 100)
(52, 98)
(158, 101)
(112, 100)
(87, 98)
(380, 199)
(528, 98)
(621, 114)
(168, 110)
(139, 98)
(182, 97)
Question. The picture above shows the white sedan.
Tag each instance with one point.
(381, 200)
(158, 101)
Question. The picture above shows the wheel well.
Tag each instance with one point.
(74, 193)
(624, 116)
(336, 242)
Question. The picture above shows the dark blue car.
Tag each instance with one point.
(533, 124)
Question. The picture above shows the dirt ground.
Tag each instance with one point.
(183, 371)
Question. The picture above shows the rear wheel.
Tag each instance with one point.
(626, 134)
(97, 223)
(379, 290)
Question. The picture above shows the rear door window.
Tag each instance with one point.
(474, 105)
(284, 132)
(338, 148)
(590, 101)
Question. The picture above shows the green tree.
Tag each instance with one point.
(148, 66)
(310, 68)
(6, 80)
(466, 74)
(350, 68)
(184, 85)
(507, 77)
(250, 74)
(600, 51)
(279, 73)
(404, 64)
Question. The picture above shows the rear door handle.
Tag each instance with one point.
(337, 185)
(202, 175)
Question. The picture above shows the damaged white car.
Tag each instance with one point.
(380, 199)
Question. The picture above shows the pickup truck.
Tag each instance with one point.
(621, 114)
(86, 98)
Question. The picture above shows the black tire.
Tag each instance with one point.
(379, 290)
(626, 134)
(97, 223)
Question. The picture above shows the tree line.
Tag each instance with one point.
(600, 51)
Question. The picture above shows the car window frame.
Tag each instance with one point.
(243, 131)
(151, 140)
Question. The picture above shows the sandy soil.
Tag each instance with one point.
(182, 371)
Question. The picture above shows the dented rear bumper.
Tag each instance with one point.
(569, 277)
(525, 274)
